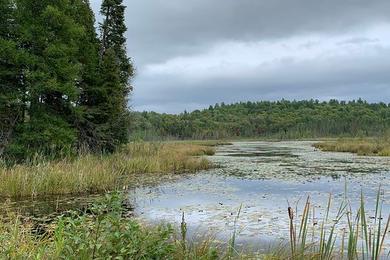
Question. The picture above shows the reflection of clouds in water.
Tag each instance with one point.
(284, 171)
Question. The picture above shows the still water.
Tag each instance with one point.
(264, 179)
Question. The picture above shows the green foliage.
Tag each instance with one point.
(113, 29)
(58, 92)
(46, 38)
(112, 112)
(48, 135)
(281, 119)
(11, 66)
(116, 70)
(107, 234)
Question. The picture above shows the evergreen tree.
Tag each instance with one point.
(50, 36)
(61, 87)
(116, 70)
(88, 120)
(112, 112)
(113, 31)
(11, 81)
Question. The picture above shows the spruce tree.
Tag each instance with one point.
(88, 119)
(113, 31)
(116, 70)
(11, 80)
(50, 36)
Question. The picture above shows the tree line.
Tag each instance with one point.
(281, 119)
(63, 87)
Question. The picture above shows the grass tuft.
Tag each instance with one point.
(95, 174)
(366, 147)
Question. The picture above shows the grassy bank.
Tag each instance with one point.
(137, 162)
(106, 233)
(373, 146)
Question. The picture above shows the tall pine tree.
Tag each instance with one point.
(116, 70)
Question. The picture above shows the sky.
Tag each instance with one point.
(194, 53)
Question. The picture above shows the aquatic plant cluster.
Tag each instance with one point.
(363, 146)
(364, 238)
(135, 163)
(105, 231)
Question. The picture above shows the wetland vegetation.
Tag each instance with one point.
(66, 132)
(136, 162)
(106, 232)
(354, 223)
(360, 146)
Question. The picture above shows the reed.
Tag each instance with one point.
(364, 240)
(137, 162)
(232, 252)
(366, 146)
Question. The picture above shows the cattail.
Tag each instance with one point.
(290, 213)
(292, 231)
(183, 229)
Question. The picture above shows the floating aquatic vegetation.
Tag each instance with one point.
(263, 184)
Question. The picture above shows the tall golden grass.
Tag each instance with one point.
(93, 174)
(376, 147)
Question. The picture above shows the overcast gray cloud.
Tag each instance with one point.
(193, 53)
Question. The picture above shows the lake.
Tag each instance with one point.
(264, 179)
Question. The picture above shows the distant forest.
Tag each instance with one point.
(281, 119)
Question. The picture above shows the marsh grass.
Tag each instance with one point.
(361, 239)
(137, 162)
(105, 232)
(366, 146)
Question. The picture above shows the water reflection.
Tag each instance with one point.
(264, 178)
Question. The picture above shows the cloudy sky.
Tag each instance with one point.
(193, 53)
